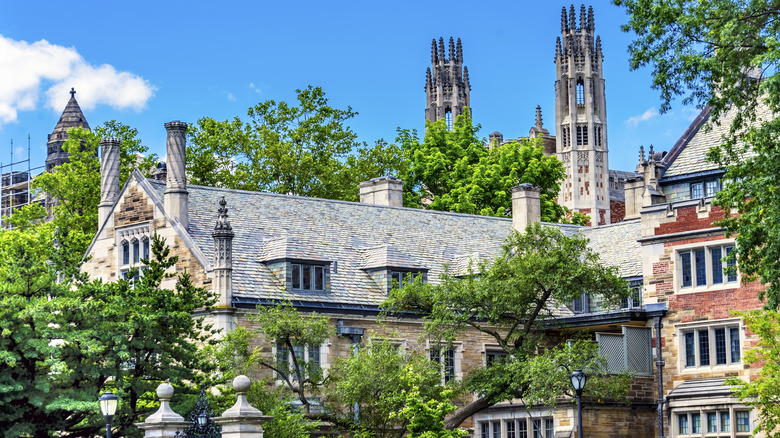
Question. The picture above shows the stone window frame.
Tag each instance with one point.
(708, 285)
(325, 267)
(491, 351)
(457, 358)
(324, 358)
(703, 412)
(710, 326)
(498, 426)
(128, 236)
(401, 343)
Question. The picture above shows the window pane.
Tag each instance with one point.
(701, 268)
(720, 346)
(704, 347)
(685, 261)
(712, 422)
(743, 421)
(449, 365)
(725, 422)
(282, 356)
(522, 428)
(731, 276)
(485, 429)
(697, 190)
(734, 343)
(510, 429)
(548, 428)
(435, 355)
(712, 187)
(125, 252)
(682, 419)
(690, 349)
(306, 277)
(696, 423)
(578, 306)
(296, 276)
(319, 278)
(537, 425)
(145, 246)
(496, 429)
(717, 265)
(314, 357)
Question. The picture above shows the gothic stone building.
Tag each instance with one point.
(339, 258)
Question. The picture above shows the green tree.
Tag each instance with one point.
(425, 416)
(375, 379)
(724, 54)
(512, 300)
(132, 154)
(762, 392)
(305, 149)
(453, 170)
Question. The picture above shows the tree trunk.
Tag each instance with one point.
(460, 415)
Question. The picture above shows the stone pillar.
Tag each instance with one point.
(223, 269)
(386, 190)
(634, 189)
(526, 206)
(164, 422)
(109, 177)
(242, 420)
(176, 195)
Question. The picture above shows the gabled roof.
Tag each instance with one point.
(355, 238)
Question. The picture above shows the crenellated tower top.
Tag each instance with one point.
(447, 86)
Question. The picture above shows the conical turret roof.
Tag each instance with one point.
(71, 117)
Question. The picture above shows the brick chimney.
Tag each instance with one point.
(176, 195)
(109, 177)
(386, 190)
(526, 206)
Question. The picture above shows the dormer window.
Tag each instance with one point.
(400, 278)
(307, 277)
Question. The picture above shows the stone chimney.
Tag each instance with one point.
(109, 177)
(385, 190)
(223, 269)
(176, 195)
(526, 206)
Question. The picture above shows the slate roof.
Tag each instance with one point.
(688, 155)
(618, 245)
(357, 237)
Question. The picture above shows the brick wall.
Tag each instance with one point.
(617, 211)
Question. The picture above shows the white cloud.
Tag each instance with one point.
(27, 68)
(231, 97)
(647, 115)
(254, 88)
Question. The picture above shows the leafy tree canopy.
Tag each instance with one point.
(513, 300)
(304, 149)
(453, 170)
(724, 54)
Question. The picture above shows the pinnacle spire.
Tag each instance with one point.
(459, 51)
(591, 21)
(583, 18)
(442, 58)
(558, 50)
(572, 19)
(641, 154)
(428, 80)
(452, 50)
(434, 58)
(564, 27)
(539, 125)
(466, 76)
(222, 227)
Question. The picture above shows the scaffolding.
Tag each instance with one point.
(15, 184)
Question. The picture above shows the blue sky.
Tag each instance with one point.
(146, 63)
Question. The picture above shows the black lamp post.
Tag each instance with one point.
(108, 404)
(578, 380)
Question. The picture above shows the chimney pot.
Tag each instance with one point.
(386, 190)
(109, 177)
(526, 206)
(176, 195)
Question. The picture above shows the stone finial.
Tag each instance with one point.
(539, 125)
(442, 58)
(428, 80)
(558, 49)
(466, 76)
(459, 51)
(641, 154)
(651, 155)
(72, 93)
(164, 414)
(434, 58)
(222, 217)
(583, 18)
(242, 408)
(598, 46)
(452, 49)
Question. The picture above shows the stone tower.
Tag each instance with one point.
(71, 117)
(581, 117)
(447, 85)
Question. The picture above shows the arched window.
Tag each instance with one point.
(580, 93)
(145, 247)
(125, 253)
(448, 118)
(136, 251)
